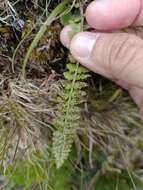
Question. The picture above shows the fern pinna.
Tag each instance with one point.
(69, 109)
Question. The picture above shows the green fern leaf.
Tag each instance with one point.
(68, 113)
(82, 76)
(78, 85)
(61, 147)
(81, 69)
(69, 76)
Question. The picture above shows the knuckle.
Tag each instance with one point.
(118, 55)
(121, 54)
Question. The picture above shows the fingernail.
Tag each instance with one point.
(83, 43)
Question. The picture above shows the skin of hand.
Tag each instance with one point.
(115, 55)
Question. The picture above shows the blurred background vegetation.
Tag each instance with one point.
(107, 151)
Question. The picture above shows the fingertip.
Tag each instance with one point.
(111, 14)
(82, 44)
(64, 36)
(93, 15)
(74, 45)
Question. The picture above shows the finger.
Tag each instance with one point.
(65, 36)
(114, 14)
(116, 56)
(135, 92)
(137, 95)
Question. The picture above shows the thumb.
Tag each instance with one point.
(116, 56)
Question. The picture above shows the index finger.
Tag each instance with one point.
(114, 14)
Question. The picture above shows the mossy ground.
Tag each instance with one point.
(108, 149)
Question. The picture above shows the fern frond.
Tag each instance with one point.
(61, 147)
(68, 114)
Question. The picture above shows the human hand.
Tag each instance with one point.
(115, 55)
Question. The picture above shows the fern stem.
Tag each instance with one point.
(71, 92)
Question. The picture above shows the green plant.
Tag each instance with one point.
(68, 114)
(60, 179)
(70, 100)
(28, 173)
(117, 182)
(95, 116)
